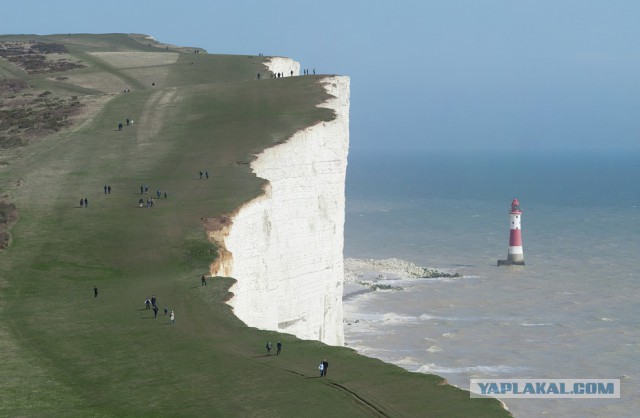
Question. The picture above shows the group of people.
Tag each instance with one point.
(281, 74)
(150, 202)
(205, 173)
(323, 367)
(107, 189)
(144, 189)
(129, 121)
(152, 303)
(270, 346)
(84, 202)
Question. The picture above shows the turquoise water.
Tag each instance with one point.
(571, 312)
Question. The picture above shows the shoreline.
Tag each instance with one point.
(362, 277)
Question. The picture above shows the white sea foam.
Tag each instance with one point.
(358, 269)
(486, 370)
(393, 318)
(407, 362)
(434, 349)
(427, 317)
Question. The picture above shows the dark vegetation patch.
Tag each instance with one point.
(12, 85)
(32, 57)
(8, 217)
(26, 115)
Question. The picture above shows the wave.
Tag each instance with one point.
(434, 349)
(427, 317)
(536, 325)
(355, 270)
(389, 318)
(432, 368)
(406, 361)
(393, 318)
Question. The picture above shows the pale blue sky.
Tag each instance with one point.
(448, 75)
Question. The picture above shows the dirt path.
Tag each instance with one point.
(154, 117)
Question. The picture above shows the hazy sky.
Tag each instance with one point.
(447, 75)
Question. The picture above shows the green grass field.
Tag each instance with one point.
(65, 352)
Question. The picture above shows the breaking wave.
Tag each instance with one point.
(488, 370)
(356, 270)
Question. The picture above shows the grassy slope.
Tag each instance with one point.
(68, 353)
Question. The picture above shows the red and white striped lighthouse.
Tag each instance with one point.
(515, 255)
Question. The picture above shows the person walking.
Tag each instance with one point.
(109, 189)
(81, 203)
(105, 189)
(269, 346)
(279, 347)
(166, 310)
(95, 291)
(201, 175)
(325, 367)
(203, 280)
(321, 367)
(153, 300)
(147, 303)
(173, 318)
(86, 202)
(155, 311)
(206, 173)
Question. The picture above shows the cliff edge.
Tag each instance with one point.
(285, 247)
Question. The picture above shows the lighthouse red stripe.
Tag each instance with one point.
(515, 238)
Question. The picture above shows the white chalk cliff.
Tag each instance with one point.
(285, 248)
(285, 66)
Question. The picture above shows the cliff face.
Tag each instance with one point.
(285, 248)
(285, 66)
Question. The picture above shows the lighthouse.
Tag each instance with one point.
(515, 257)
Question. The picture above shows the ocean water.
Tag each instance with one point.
(571, 312)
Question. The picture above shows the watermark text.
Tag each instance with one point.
(546, 388)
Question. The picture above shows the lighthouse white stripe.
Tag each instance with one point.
(515, 250)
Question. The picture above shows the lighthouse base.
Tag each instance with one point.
(510, 263)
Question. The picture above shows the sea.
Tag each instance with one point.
(572, 312)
